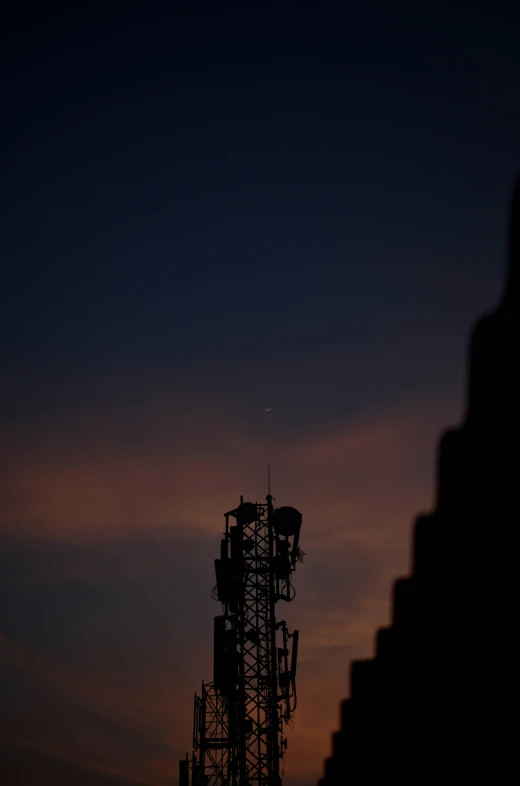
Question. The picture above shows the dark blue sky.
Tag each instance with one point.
(219, 187)
(207, 210)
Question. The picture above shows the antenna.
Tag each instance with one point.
(269, 479)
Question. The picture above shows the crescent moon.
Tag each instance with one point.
(267, 409)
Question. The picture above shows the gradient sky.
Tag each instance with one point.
(205, 213)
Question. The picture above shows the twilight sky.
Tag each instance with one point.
(207, 211)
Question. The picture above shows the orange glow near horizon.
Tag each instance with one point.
(138, 523)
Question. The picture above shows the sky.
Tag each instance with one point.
(208, 210)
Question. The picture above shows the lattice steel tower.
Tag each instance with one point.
(239, 717)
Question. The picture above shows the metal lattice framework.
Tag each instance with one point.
(210, 737)
(238, 720)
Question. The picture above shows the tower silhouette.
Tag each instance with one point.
(436, 704)
(239, 716)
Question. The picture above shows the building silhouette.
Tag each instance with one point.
(437, 704)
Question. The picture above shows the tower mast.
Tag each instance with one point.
(239, 716)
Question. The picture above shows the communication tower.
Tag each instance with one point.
(239, 716)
